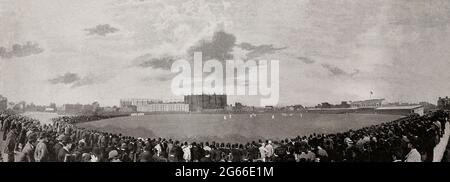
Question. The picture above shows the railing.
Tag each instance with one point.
(440, 148)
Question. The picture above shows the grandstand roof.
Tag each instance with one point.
(318, 109)
(399, 107)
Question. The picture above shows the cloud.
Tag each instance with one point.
(74, 80)
(18, 50)
(420, 14)
(336, 71)
(101, 30)
(306, 60)
(219, 47)
(67, 78)
(148, 60)
(163, 63)
(87, 80)
(161, 78)
(260, 50)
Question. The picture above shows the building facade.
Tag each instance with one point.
(372, 103)
(401, 110)
(137, 102)
(206, 102)
(72, 108)
(152, 105)
(163, 107)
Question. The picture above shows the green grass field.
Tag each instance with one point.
(238, 128)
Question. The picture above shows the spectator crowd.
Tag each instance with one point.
(409, 139)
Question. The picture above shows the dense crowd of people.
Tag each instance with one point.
(410, 139)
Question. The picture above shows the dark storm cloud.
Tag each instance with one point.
(219, 47)
(336, 71)
(18, 50)
(260, 50)
(306, 60)
(101, 30)
(148, 60)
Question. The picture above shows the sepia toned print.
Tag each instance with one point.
(224, 81)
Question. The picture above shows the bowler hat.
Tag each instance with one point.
(66, 139)
(32, 137)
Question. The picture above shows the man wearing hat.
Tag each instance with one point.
(59, 145)
(67, 131)
(41, 152)
(2, 117)
(147, 155)
(270, 150)
(64, 154)
(22, 134)
(10, 144)
(124, 153)
(27, 154)
(413, 155)
(6, 127)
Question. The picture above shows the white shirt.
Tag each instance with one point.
(269, 149)
(207, 148)
(413, 156)
(186, 152)
(262, 151)
(158, 149)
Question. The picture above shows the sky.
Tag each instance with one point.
(82, 51)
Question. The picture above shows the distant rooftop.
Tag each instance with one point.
(399, 107)
(369, 100)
